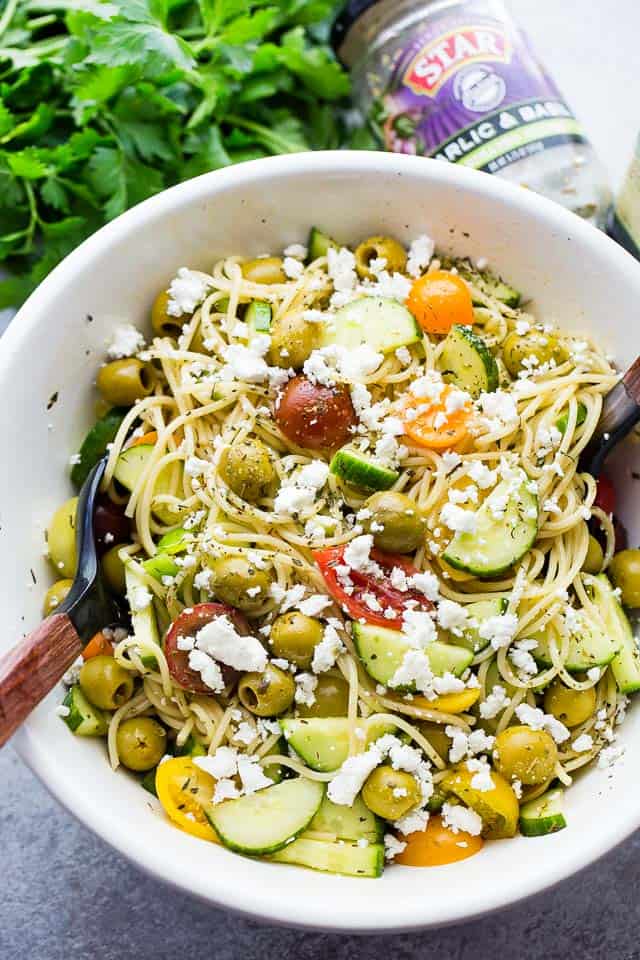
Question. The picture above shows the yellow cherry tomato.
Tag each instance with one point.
(183, 790)
(438, 845)
(449, 702)
(440, 299)
(498, 808)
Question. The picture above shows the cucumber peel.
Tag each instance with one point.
(362, 471)
(467, 362)
(543, 816)
(382, 323)
(323, 742)
(382, 652)
(346, 858)
(83, 718)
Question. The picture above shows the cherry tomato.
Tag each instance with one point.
(187, 625)
(313, 416)
(387, 596)
(184, 790)
(440, 299)
(433, 427)
(438, 845)
(110, 525)
(606, 495)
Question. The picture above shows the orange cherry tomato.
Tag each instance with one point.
(440, 299)
(97, 646)
(148, 439)
(438, 845)
(184, 790)
(429, 425)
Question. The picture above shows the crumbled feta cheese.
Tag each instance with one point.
(341, 267)
(327, 651)
(186, 291)
(252, 775)
(499, 629)
(208, 669)
(306, 684)
(414, 670)
(404, 355)
(583, 743)
(521, 657)
(139, 599)
(293, 268)
(299, 491)
(414, 822)
(392, 846)
(286, 599)
(481, 475)
(225, 790)
(197, 467)
(245, 733)
(420, 253)
(610, 755)
(457, 519)
(418, 627)
(535, 718)
(297, 250)
(593, 674)
(426, 583)
(314, 604)
(246, 363)
(481, 779)
(499, 409)
(494, 703)
(220, 640)
(451, 460)
(461, 819)
(350, 777)
(452, 616)
(62, 711)
(202, 580)
(223, 763)
(126, 342)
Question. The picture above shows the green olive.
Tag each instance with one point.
(267, 694)
(61, 538)
(163, 324)
(141, 743)
(374, 248)
(123, 382)
(105, 683)
(55, 595)
(248, 469)
(264, 270)
(395, 522)
(331, 698)
(390, 793)
(595, 557)
(571, 707)
(113, 570)
(239, 583)
(292, 341)
(624, 570)
(519, 347)
(294, 636)
(523, 754)
(434, 732)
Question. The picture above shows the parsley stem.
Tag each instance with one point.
(269, 138)
(7, 15)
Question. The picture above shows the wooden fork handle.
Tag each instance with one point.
(33, 667)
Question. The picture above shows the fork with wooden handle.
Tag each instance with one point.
(620, 413)
(33, 667)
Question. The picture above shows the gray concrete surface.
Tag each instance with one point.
(64, 895)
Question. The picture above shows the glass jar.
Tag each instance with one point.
(624, 223)
(458, 80)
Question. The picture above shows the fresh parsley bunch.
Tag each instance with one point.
(103, 104)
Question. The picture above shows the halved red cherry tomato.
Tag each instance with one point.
(313, 416)
(187, 625)
(388, 597)
(606, 495)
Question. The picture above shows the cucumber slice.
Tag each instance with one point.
(361, 471)
(161, 566)
(175, 541)
(497, 543)
(191, 748)
(83, 718)
(268, 820)
(318, 244)
(495, 287)
(258, 317)
(588, 646)
(626, 663)
(348, 823)
(379, 321)
(543, 816)
(129, 467)
(276, 771)
(348, 859)
(481, 610)
(95, 443)
(382, 651)
(467, 362)
(143, 622)
(323, 742)
(563, 420)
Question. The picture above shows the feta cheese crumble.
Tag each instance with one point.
(186, 291)
(126, 342)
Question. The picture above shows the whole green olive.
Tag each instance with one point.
(294, 636)
(61, 538)
(267, 694)
(376, 248)
(595, 557)
(395, 522)
(434, 732)
(248, 469)
(523, 754)
(163, 324)
(123, 382)
(55, 595)
(113, 570)
(264, 270)
(239, 583)
(519, 347)
(292, 341)
(571, 707)
(105, 683)
(331, 698)
(624, 570)
(390, 793)
(141, 743)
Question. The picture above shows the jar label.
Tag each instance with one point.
(468, 89)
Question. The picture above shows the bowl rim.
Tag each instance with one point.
(267, 904)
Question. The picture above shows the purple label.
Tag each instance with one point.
(468, 89)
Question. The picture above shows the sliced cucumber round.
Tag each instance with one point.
(543, 816)
(348, 823)
(625, 665)
(258, 317)
(588, 646)
(467, 362)
(563, 420)
(382, 323)
(382, 651)
(361, 471)
(83, 718)
(481, 610)
(342, 857)
(323, 742)
(131, 463)
(498, 541)
(318, 244)
(268, 820)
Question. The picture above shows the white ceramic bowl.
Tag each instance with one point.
(577, 277)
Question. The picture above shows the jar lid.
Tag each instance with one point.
(345, 20)
(363, 24)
